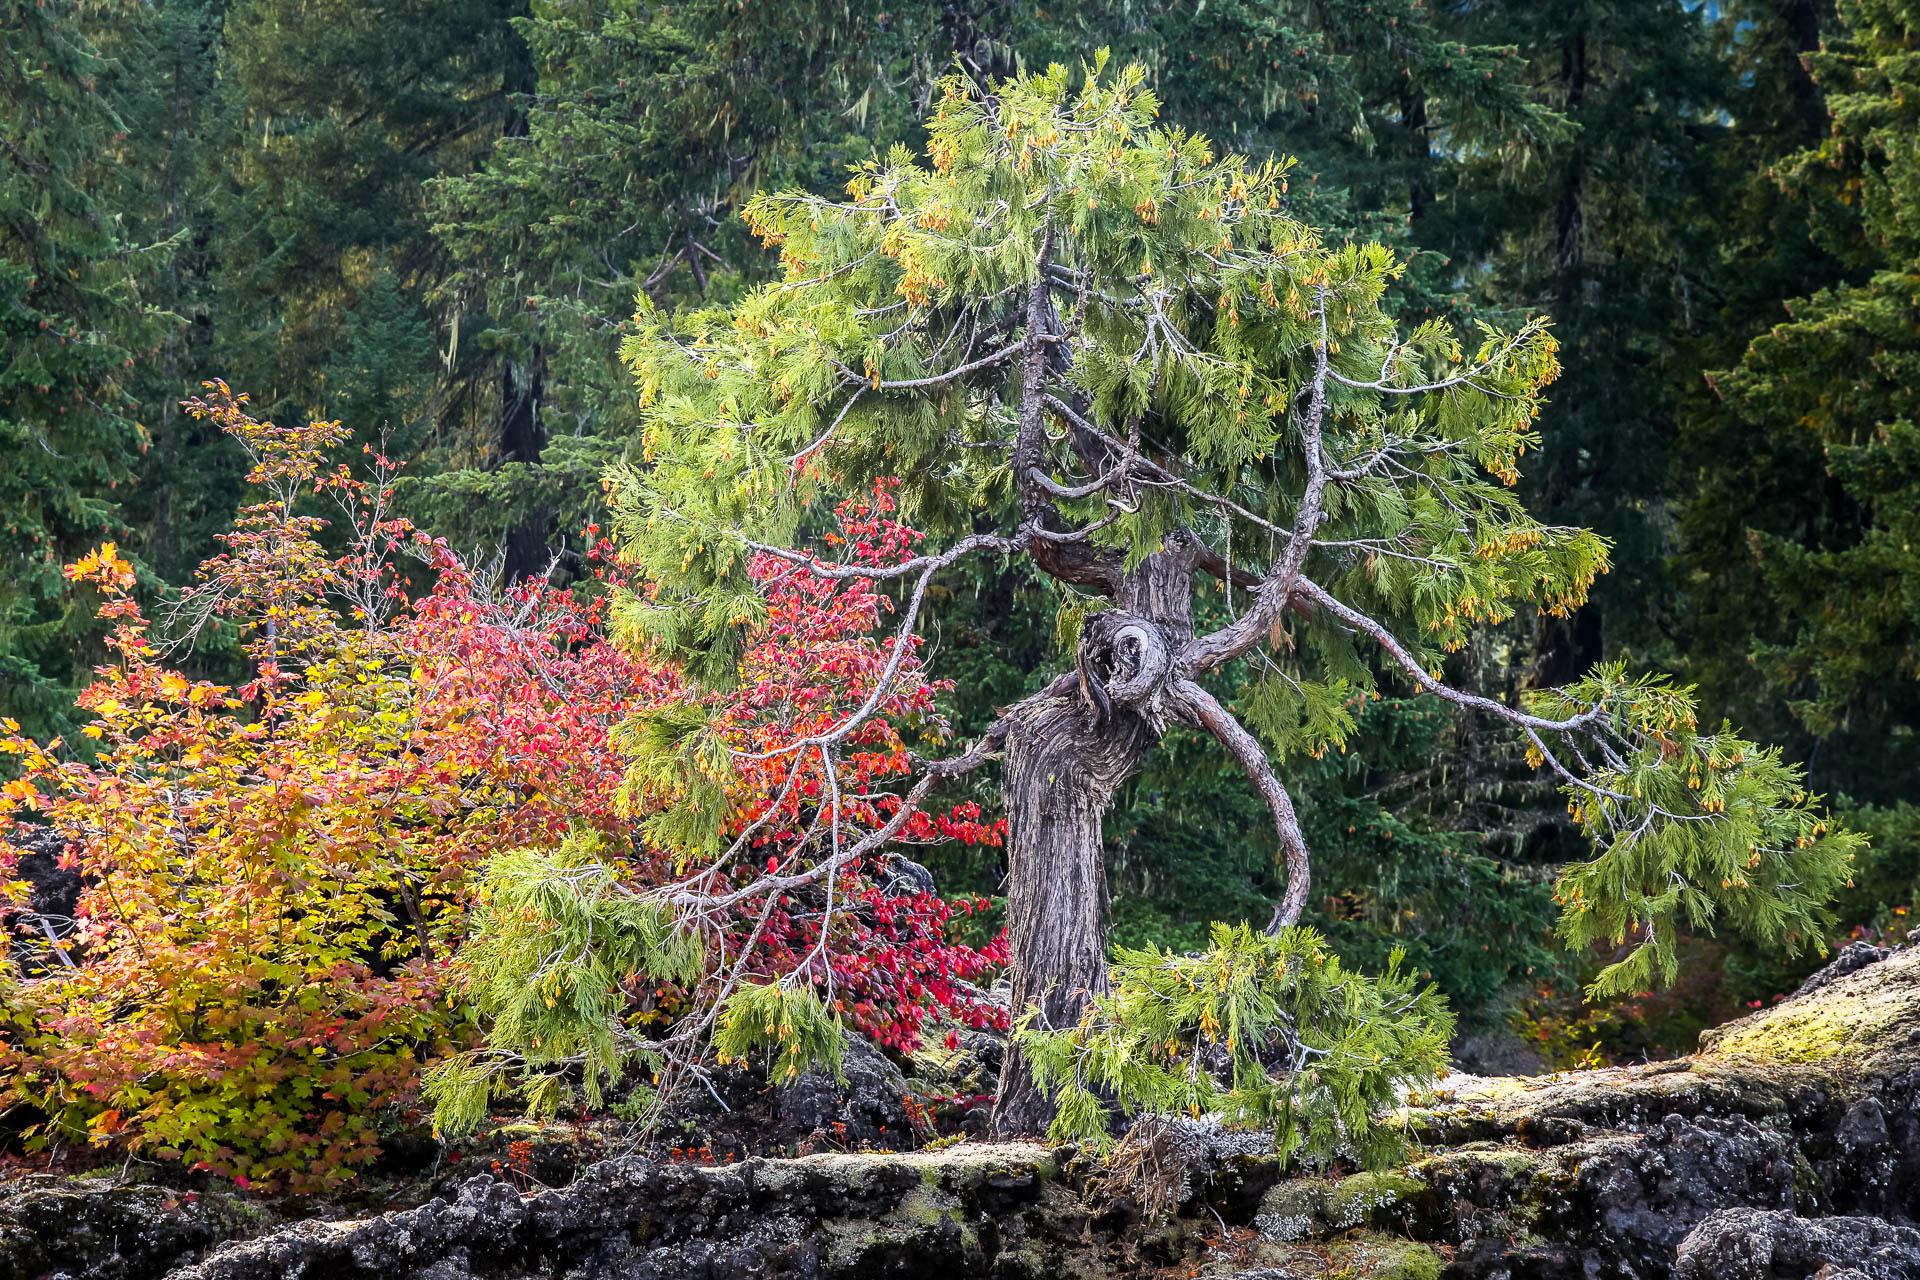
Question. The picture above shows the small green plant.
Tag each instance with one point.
(1260, 1030)
(556, 941)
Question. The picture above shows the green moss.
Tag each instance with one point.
(1356, 1201)
(1863, 1018)
(1366, 1255)
(1294, 1209)
(1815, 1034)
(927, 1207)
(1808, 1189)
(1314, 1208)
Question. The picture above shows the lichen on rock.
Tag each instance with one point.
(1738, 1157)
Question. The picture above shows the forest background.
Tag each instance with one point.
(430, 221)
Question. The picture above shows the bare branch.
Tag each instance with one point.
(1205, 710)
(683, 895)
(1360, 622)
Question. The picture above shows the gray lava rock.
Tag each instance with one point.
(1863, 1129)
(1851, 958)
(1496, 1053)
(92, 1228)
(55, 889)
(1752, 1244)
(1788, 1149)
(973, 1211)
(869, 1108)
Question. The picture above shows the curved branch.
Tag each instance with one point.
(1271, 597)
(1360, 622)
(906, 568)
(960, 371)
(1205, 710)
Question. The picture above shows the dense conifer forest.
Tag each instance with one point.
(483, 494)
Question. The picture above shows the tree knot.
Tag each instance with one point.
(1124, 660)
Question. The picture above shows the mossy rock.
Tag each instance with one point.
(1367, 1255)
(1863, 1020)
(1319, 1208)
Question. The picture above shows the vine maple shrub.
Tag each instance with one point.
(279, 876)
(779, 827)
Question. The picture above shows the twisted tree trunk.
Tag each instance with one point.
(1068, 750)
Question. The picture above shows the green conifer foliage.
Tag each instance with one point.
(1611, 230)
(562, 1019)
(190, 479)
(651, 126)
(75, 313)
(1263, 1030)
(1732, 478)
(1135, 340)
(1840, 376)
(334, 115)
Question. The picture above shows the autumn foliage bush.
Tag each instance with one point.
(279, 874)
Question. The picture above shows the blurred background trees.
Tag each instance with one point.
(431, 220)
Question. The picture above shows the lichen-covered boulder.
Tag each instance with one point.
(976, 1210)
(99, 1230)
(1751, 1244)
(1809, 1108)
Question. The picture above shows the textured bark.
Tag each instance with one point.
(522, 439)
(1066, 755)
(1060, 774)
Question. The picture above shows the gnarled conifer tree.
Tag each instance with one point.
(1082, 337)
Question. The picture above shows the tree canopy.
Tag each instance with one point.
(820, 481)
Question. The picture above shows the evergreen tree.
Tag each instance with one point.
(636, 130)
(1732, 478)
(75, 314)
(1827, 399)
(624, 169)
(1612, 233)
(334, 115)
(190, 478)
(1176, 381)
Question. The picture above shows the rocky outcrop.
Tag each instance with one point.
(97, 1230)
(37, 853)
(1752, 1244)
(1801, 1112)
(976, 1210)
(1788, 1148)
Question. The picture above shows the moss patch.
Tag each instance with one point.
(1367, 1256)
(1316, 1208)
(1357, 1201)
(1863, 1017)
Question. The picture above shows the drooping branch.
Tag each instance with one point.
(903, 639)
(905, 569)
(1389, 643)
(1204, 710)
